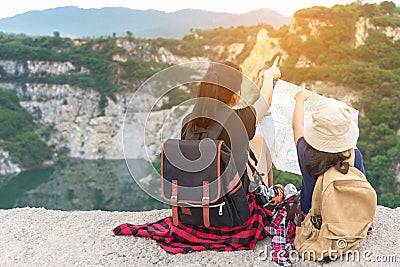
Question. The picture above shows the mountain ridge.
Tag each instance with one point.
(78, 22)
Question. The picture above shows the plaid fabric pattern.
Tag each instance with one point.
(262, 223)
(283, 232)
(371, 229)
(186, 238)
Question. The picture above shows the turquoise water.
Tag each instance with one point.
(78, 185)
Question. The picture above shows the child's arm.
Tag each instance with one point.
(298, 114)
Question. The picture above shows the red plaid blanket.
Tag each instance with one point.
(185, 238)
(262, 223)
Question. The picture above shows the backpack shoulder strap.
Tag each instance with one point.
(214, 129)
(316, 200)
(352, 157)
(187, 134)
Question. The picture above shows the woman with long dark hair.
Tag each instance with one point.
(217, 94)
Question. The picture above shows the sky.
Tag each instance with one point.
(285, 7)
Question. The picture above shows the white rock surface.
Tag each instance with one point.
(18, 67)
(39, 237)
(264, 49)
(364, 25)
(6, 164)
(12, 67)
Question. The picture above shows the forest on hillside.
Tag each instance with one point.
(372, 70)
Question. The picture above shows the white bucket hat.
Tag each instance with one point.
(331, 128)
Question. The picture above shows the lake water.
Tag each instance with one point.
(79, 185)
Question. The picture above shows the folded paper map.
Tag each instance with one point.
(276, 128)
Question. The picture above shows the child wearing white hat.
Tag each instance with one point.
(321, 142)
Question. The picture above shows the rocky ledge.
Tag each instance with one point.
(40, 237)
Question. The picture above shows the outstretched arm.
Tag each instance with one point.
(298, 114)
(264, 101)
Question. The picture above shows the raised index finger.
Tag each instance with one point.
(275, 62)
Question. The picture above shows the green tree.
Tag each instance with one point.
(17, 132)
(369, 10)
(389, 200)
(388, 7)
(129, 34)
(27, 148)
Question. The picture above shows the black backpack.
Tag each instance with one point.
(213, 195)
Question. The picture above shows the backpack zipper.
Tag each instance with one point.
(210, 206)
(220, 208)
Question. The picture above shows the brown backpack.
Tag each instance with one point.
(214, 195)
(342, 209)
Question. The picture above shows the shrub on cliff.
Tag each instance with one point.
(17, 133)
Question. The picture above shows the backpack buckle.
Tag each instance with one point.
(205, 202)
(174, 202)
(205, 199)
(316, 220)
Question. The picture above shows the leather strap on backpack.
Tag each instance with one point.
(205, 202)
(174, 202)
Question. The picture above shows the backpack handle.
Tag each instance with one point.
(213, 131)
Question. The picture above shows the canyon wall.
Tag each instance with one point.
(87, 133)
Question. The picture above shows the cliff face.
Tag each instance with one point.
(264, 49)
(74, 112)
(364, 25)
(32, 67)
(6, 165)
(144, 52)
(306, 27)
(89, 134)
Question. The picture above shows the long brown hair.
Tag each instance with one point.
(230, 76)
(321, 161)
